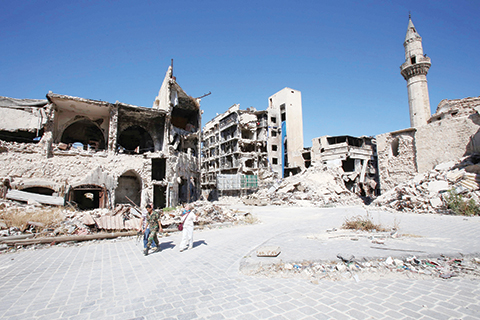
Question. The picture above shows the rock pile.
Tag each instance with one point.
(429, 192)
(317, 186)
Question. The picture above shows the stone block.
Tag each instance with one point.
(270, 251)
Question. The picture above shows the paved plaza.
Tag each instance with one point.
(113, 280)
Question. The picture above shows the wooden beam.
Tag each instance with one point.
(96, 236)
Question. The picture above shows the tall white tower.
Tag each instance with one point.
(414, 70)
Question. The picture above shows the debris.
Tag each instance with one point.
(40, 198)
(346, 259)
(426, 192)
(410, 267)
(316, 186)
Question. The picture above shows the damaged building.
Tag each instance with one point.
(355, 156)
(96, 154)
(241, 148)
(448, 135)
(234, 152)
(285, 139)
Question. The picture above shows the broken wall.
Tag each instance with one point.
(396, 156)
(22, 120)
(452, 132)
(355, 158)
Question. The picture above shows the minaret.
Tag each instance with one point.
(414, 70)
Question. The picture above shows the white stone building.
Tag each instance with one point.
(285, 132)
(95, 154)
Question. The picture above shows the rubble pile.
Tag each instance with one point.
(410, 267)
(317, 185)
(67, 221)
(208, 213)
(429, 192)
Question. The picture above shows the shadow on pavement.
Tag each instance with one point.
(167, 245)
(199, 243)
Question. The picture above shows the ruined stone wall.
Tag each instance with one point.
(444, 141)
(451, 133)
(24, 163)
(396, 157)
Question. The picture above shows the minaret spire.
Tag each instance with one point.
(414, 70)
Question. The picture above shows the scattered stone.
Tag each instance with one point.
(410, 267)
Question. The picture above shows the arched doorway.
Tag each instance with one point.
(88, 197)
(135, 139)
(129, 185)
(85, 131)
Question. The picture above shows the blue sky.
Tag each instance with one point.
(344, 56)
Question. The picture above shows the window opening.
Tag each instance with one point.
(395, 145)
(159, 166)
(159, 196)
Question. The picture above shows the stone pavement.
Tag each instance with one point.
(113, 280)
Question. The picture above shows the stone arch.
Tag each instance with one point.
(129, 185)
(135, 139)
(85, 131)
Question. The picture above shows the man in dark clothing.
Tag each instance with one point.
(153, 218)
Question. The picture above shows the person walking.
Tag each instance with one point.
(144, 228)
(188, 218)
(155, 227)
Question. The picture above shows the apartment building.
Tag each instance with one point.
(234, 151)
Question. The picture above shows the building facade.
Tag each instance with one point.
(234, 147)
(96, 154)
(285, 132)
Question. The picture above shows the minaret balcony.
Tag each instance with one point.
(420, 67)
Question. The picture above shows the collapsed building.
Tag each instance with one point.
(96, 154)
(356, 157)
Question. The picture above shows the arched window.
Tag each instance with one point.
(86, 132)
(135, 139)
